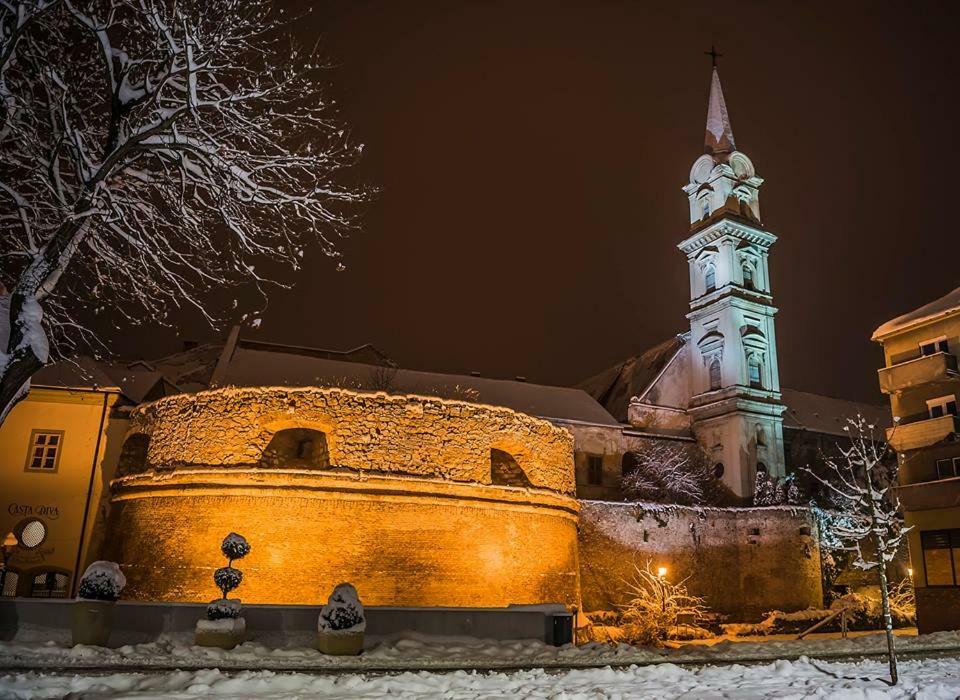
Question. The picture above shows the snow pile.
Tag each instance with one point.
(102, 580)
(230, 625)
(932, 679)
(343, 613)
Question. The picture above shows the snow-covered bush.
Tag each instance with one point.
(343, 612)
(102, 580)
(227, 578)
(656, 606)
(673, 472)
(223, 609)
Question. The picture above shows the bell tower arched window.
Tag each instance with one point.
(710, 278)
(748, 277)
(754, 374)
(715, 379)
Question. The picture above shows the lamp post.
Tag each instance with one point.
(661, 572)
(10, 543)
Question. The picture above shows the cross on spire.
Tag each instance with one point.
(712, 53)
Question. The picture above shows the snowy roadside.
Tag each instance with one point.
(932, 679)
(415, 652)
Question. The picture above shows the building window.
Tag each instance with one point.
(753, 372)
(705, 208)
(49, 584)
(945, 405)
(933, 346)
(629, 464)
(710, 278)
(715, 379)
(45, 448)
(10, 580)
(940, 556)
(948, 468)
(748, 277)
(718, 470)
(594, 470)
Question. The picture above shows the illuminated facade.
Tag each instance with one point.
(416, 501)
(922, 379)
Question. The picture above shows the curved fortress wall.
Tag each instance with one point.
(416, 501)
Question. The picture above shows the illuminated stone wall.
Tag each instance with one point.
(364, 431)
(744, 561)
(406, 511)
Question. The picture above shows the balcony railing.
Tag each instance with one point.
(923, 433)
(939, 367)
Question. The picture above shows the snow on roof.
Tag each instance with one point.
(944, 306)
(136, 382)
(285, 367)
(825, 414)
(614, 387)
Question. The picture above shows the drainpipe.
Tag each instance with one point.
(86, 510)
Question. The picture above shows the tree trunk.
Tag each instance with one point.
(17, 373)
(888, 621)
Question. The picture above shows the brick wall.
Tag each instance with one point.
(399, 540)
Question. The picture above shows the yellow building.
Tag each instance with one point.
(58, 451)
(921, 378)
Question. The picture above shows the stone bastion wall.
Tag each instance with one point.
(743, 561)
(416, 501)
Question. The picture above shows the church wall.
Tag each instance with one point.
(745, 562)
(672, 387)
(605, 442)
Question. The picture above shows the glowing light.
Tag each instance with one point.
(661, 571)
(910, 573)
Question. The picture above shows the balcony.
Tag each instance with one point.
(929, 369)
(922, 433)
(930, 495)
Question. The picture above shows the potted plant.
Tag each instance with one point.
(341, 623)
(100, 586)
(223, 626)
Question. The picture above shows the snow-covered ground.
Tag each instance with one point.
(416, 652)
(934, 679)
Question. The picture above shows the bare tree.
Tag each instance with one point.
(861, 480)
(154, 153)
(672, 472)
(656, 605)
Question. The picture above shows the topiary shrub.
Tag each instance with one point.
(227, 578)
(343, 612)
(102, 580)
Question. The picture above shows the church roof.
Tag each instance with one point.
(944, 306)
(614, 387)
(135, 382)
(719, 135)
(828, 415)
(252, 363)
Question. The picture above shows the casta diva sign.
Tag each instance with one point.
(22, 509)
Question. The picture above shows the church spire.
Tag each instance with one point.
(719, 136)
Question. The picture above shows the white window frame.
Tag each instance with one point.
(941, 402)
(935, 342)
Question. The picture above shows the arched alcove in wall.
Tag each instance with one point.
(505, 470)
(297, 448)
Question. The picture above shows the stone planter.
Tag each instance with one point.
(340, 644)
(92, 621)
(225, 634)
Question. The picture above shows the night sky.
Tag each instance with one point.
(531, 156)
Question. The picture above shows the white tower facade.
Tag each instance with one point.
(735, 407)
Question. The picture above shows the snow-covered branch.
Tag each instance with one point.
(152, 152)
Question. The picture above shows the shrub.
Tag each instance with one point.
(343, 611)
(227, 578)
(657, 606)
(102, 580)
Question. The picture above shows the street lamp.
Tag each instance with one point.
(661, 571)
(10, 544)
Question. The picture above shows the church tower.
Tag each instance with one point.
(735, 407)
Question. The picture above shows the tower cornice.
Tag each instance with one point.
(717, 230)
